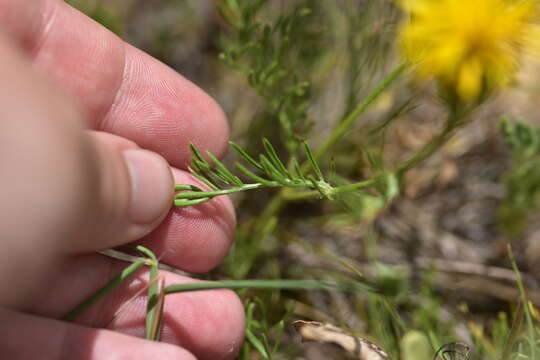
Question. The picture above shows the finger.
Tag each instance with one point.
(26, 337)
(125, 91)
(87, 190)
(209, 324)
(64, 189)
(194, 238)
(131, 195)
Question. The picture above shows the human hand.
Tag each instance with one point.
(74, 102)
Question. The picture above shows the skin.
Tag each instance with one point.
(93, 134)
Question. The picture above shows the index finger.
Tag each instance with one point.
(122, 89)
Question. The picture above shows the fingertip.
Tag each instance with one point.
(212, 329)
(151, 186)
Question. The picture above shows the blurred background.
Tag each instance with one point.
(438, 249)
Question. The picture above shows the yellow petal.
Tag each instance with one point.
(470, 79)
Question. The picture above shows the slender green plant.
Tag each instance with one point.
(282, 51)
(271, 172)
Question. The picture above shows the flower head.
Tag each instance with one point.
(469, 46)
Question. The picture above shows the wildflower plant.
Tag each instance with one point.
(471, 48)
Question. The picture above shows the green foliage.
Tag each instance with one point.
(273, 56)
(367, 44)
(522, 180)
(290, 53)
(261, 336)
(271, 172)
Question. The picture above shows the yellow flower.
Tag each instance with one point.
(469, 45)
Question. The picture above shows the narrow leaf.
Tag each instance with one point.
(271, 170)
(297, 170)
(152, 306)
(257, 344)
(274, 158)
(203, 177)
(197, 154)
(313, 163)
(253, 176)
(179, 187)
(244, 155)
(104, 290)
(190, 202)
(232, 179)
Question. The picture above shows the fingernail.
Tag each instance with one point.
(151, 186)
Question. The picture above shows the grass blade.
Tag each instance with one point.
(107, 288)
(152, 307)
(257, 344)
(285, 284)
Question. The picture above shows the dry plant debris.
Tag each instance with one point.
(361, 348)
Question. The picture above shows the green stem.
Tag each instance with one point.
(523, 294)
(415, 160)
(297, 196)
(346, 124)
(107, 288)
(153, 310)
(286, 195)
(268, 284)
(428, 149)
(277, 203)
(211, 194)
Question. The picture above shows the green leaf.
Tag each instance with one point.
(104, 290)
(270, 170)
(253, 176)
(257, 344)
(190, 202)
(313, 163)
(275, 159)
(244, 155)
(229, 177)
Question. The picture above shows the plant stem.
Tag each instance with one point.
(346, 124)
(277, 203)
(268, 284)
(416, 159)
(428, 149)
(296, 196)
(153, 305)
(111, 285)
(523, 294)
(211, 194)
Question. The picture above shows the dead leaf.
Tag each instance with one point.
(361, 348)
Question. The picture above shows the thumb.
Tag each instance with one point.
(130, 193)
(64, 189)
